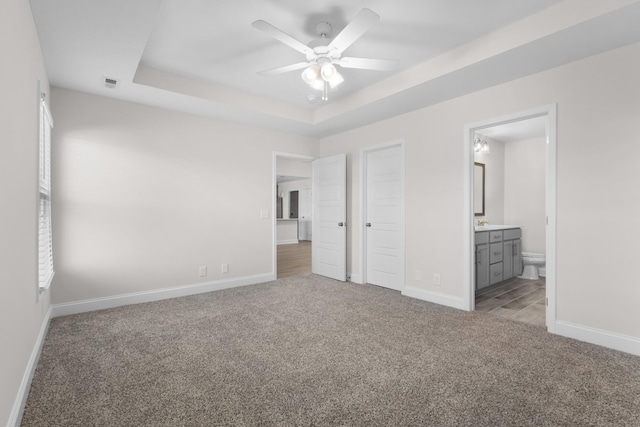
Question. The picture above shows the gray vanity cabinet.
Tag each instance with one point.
(512, 258)
(512, 245)
(496, 274)
(498, 256)
(508, 258)
(517, 257)
(482, 260)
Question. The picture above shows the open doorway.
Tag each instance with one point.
(293, 219)
(511, 216)
(509, 199)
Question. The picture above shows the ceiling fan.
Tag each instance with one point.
(323, 54)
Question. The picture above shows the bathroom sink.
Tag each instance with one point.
(494, 227)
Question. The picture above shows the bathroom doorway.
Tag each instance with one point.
(517, 156)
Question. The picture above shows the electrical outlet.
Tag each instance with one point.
(203, 271)
(418, 275)
(436, 280)
(224, 268)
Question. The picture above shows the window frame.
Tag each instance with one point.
(45, 232)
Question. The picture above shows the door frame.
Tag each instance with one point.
(550, 112)
(363, 208)
(274, 195)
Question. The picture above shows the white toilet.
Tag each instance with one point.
(532, 264)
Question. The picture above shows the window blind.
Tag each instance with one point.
(45, 241)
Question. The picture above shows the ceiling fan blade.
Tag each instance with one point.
(284, 69)
(364, 20)
(367, 64)
(281, 36)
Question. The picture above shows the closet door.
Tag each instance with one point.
(384, 226)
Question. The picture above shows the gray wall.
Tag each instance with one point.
(21, 316)
(144, 196)
(524, 191)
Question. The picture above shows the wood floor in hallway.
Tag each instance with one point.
(294, 259)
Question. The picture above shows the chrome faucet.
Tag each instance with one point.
(482, 222)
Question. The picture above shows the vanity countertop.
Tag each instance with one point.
(495, 227)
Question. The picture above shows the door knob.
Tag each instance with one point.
(341, 224)
(368, 224)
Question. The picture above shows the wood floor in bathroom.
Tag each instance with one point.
(520, 299)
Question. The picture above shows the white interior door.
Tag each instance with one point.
(385, 217)
(329, 201)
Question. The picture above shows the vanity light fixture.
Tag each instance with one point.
(481, 146)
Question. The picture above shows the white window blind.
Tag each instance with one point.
(45, 243)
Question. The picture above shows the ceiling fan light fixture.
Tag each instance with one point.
(321, 77)
(317, 84)
(311, 74)
(330, 74)
(328, 71)
(336, 80)
(321, 54)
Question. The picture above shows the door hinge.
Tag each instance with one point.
(546, 302)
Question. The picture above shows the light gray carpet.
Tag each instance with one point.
(312, 352)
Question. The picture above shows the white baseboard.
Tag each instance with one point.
(23, 392)
(355, 278)
(83, 306)
(288, 242)
(434, 297)
(600, 337)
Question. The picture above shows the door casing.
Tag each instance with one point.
(550, 113)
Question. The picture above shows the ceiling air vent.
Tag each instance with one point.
(111, 83)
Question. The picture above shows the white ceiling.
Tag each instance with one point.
(517, 131)
(202, 56)
(289, 178)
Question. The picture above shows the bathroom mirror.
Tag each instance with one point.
(478, 189)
